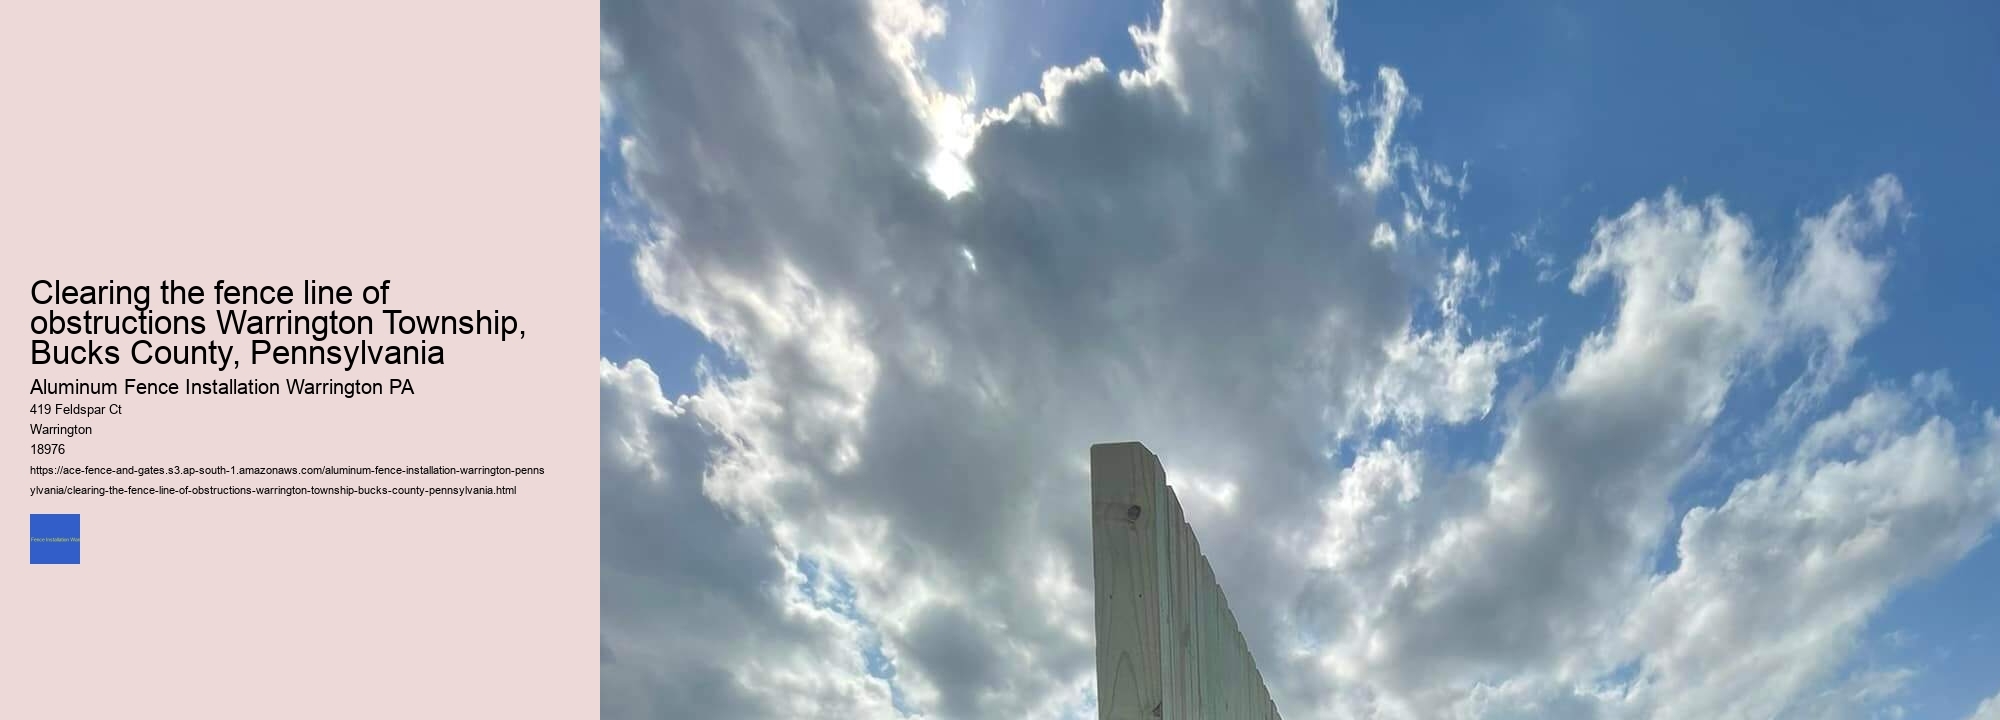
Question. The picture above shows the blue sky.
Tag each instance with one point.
(1566, 111)
(1557, 115)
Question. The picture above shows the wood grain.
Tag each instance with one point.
(1168, 647)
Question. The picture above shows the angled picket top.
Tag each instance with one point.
(1167, 646)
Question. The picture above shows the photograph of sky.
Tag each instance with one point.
(1541, 359)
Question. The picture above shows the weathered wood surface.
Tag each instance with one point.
(1167, 645)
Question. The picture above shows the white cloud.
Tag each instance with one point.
(915, 422)
(1774, 585)
(1875, 496)
(1836, 290)
(1441, 372)
(701, 615)
(1519, 585)
(1316, 17)
(1988, 710)
(1533, 552)
(1375, 173)
(1427, 191)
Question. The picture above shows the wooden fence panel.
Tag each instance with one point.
(1168, 647)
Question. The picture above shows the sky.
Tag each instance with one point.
(1535, 359)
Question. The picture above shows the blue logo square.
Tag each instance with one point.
(55, 539)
